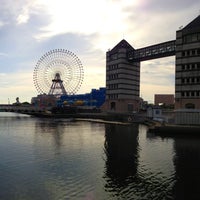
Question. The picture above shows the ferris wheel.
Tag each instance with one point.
(58, 72)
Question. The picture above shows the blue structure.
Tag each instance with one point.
(95, 98)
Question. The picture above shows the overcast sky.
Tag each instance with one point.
(30, 28)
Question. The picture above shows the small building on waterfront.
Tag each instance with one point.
(154, 112)
(44, 101)
(164, 99)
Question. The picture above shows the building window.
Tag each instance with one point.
(193, 66)
(189, 105)
(112, 105)
(194, 37)
(114, 56)
(191, 38)
(193, 80)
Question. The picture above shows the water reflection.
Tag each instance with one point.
(49, 159)
(52, 130)
(121, 149)
(69, 158)
(187, 167)
(185, 182)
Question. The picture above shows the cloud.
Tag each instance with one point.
(17, 84)
(3, 55)
(155, 21)
(149, 90)
(10, 10)
(157, 77)
(92, 59)
(85, 17)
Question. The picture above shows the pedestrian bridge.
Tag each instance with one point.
(161, 50)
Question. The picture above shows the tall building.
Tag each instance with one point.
(122, 79)
(123, 70)
(187, 84)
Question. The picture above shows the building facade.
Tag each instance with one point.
(187, 83)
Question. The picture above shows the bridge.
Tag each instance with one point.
(25, 109)
(154, 51)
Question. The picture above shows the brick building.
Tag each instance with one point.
(166, 99)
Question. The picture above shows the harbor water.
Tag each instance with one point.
(59, 159)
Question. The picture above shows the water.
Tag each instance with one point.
(61, 160)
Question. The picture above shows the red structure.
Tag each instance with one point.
(166, 99)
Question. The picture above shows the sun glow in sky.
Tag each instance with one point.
(30, 28)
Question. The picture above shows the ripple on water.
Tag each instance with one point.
(44, 159)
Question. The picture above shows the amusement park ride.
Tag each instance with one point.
(58, 72)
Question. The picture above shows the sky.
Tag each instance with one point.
(30, 28)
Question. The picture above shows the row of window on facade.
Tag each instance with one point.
(154, 50)
(112, 67)
(190, 80)
(190, 94)
(194, 66)
(112, 86)
(112, 96)
(191, 38)
(190, 105)
(114, 56)
(112, 76)
(193, 52)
